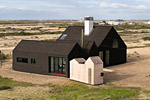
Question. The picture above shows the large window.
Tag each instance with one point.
(23, 60)
(57, 65)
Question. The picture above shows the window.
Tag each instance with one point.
(107, 57)
(115, 43)
(63, 37)
(57, 65)
(23, 60)
(101, 55)
(33, 61)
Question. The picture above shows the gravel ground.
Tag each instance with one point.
(6, 71)
(135, 73)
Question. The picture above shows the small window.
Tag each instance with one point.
(115, 43)
(33, 61)
(63, 37)
(102, 74)
(23, 60)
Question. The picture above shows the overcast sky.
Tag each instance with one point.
(74, 9)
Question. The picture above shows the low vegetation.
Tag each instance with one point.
(124, 27)
(82, 92)
(71, 91)
(3, 56)
(146, 91)
(22, 33)
(146, 38)
(6, 82)
(5, 87)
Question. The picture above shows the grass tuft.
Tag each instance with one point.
(6, 82)
(146, 91)
(5, 87)
(3, 56)
(146, 38)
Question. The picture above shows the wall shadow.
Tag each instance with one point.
(113, 77)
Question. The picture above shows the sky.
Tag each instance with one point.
(74, 9)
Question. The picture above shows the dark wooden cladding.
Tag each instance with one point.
(98, 43)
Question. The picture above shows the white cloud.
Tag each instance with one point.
(2, 6)
(113, 5)
(141, 7)
(21, 8)
(121, 5)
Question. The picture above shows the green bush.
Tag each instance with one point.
(146, 38)
(5, 87)
(3, 56)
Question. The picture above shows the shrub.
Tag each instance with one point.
(3, 56)
(144, 32)
(146, 38)
(5, 87)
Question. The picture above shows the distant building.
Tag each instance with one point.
(132, 23)
(102, 23)
(148, 22)
(116, 22)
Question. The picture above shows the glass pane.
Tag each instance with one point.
(56, 64)
(64, 61)
(64, 66)
(63, 36)
(23, 60)
(33, 61)
(52, 64)
(101, 55)
(115, 43)
(107, 57)
(64, 69)
(60, 65)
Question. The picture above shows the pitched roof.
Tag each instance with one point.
(80, 60)
(96, 60)
(97, 35)
(53, 48)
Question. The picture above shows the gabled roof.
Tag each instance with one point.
(80, 60)
(52, 48)
(97, 35)
(96, 60)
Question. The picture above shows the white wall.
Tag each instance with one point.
(80, 72)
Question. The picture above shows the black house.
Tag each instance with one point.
(53, 57)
